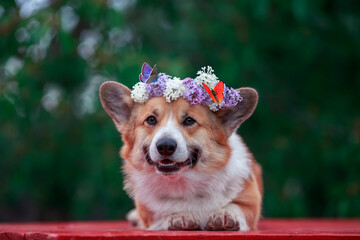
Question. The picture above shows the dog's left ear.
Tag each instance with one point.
(232, 117)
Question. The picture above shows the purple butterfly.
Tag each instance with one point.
(148, 74)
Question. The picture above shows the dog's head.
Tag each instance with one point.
(174, 137)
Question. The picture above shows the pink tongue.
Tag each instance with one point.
(166, 161)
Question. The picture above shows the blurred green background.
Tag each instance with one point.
(59, 149)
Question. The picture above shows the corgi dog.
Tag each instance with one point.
(184, 165)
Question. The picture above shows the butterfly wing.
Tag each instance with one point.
(153, 75)
(219, 91)
(154, 70)
(145, 72)
(208, 90)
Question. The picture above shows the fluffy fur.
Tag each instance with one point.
(217, 187)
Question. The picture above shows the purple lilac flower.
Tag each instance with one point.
(164, 76)
(194, 94)
(207, 99)
(157, 88)
(231, 97)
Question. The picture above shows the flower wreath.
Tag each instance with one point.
(205, 89)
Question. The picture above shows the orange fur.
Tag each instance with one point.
(146, 216)
(207, 127)
(250, 198)
(258, 175)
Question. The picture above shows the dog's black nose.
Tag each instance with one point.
(166, 146)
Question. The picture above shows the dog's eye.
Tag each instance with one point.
(189, 121)
(151, 120)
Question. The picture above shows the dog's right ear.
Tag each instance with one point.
(116, 100)
(232, 117)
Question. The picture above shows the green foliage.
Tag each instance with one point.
(59, 149)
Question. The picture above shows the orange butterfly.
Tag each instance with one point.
(216, 94)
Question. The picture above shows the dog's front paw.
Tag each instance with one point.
(222, 220)
(182, 221)
(133, 218)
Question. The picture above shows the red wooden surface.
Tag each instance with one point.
(268, 229)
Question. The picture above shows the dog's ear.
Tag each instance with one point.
(116, 100)
(232, 117)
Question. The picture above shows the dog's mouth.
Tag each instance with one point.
(168, 166)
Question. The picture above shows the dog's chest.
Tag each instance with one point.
(200, 196)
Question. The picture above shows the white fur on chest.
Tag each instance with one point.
(200, 194)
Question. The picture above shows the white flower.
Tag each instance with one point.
(174, 89)
(138, 94)
(216, 106)
(206, 75)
